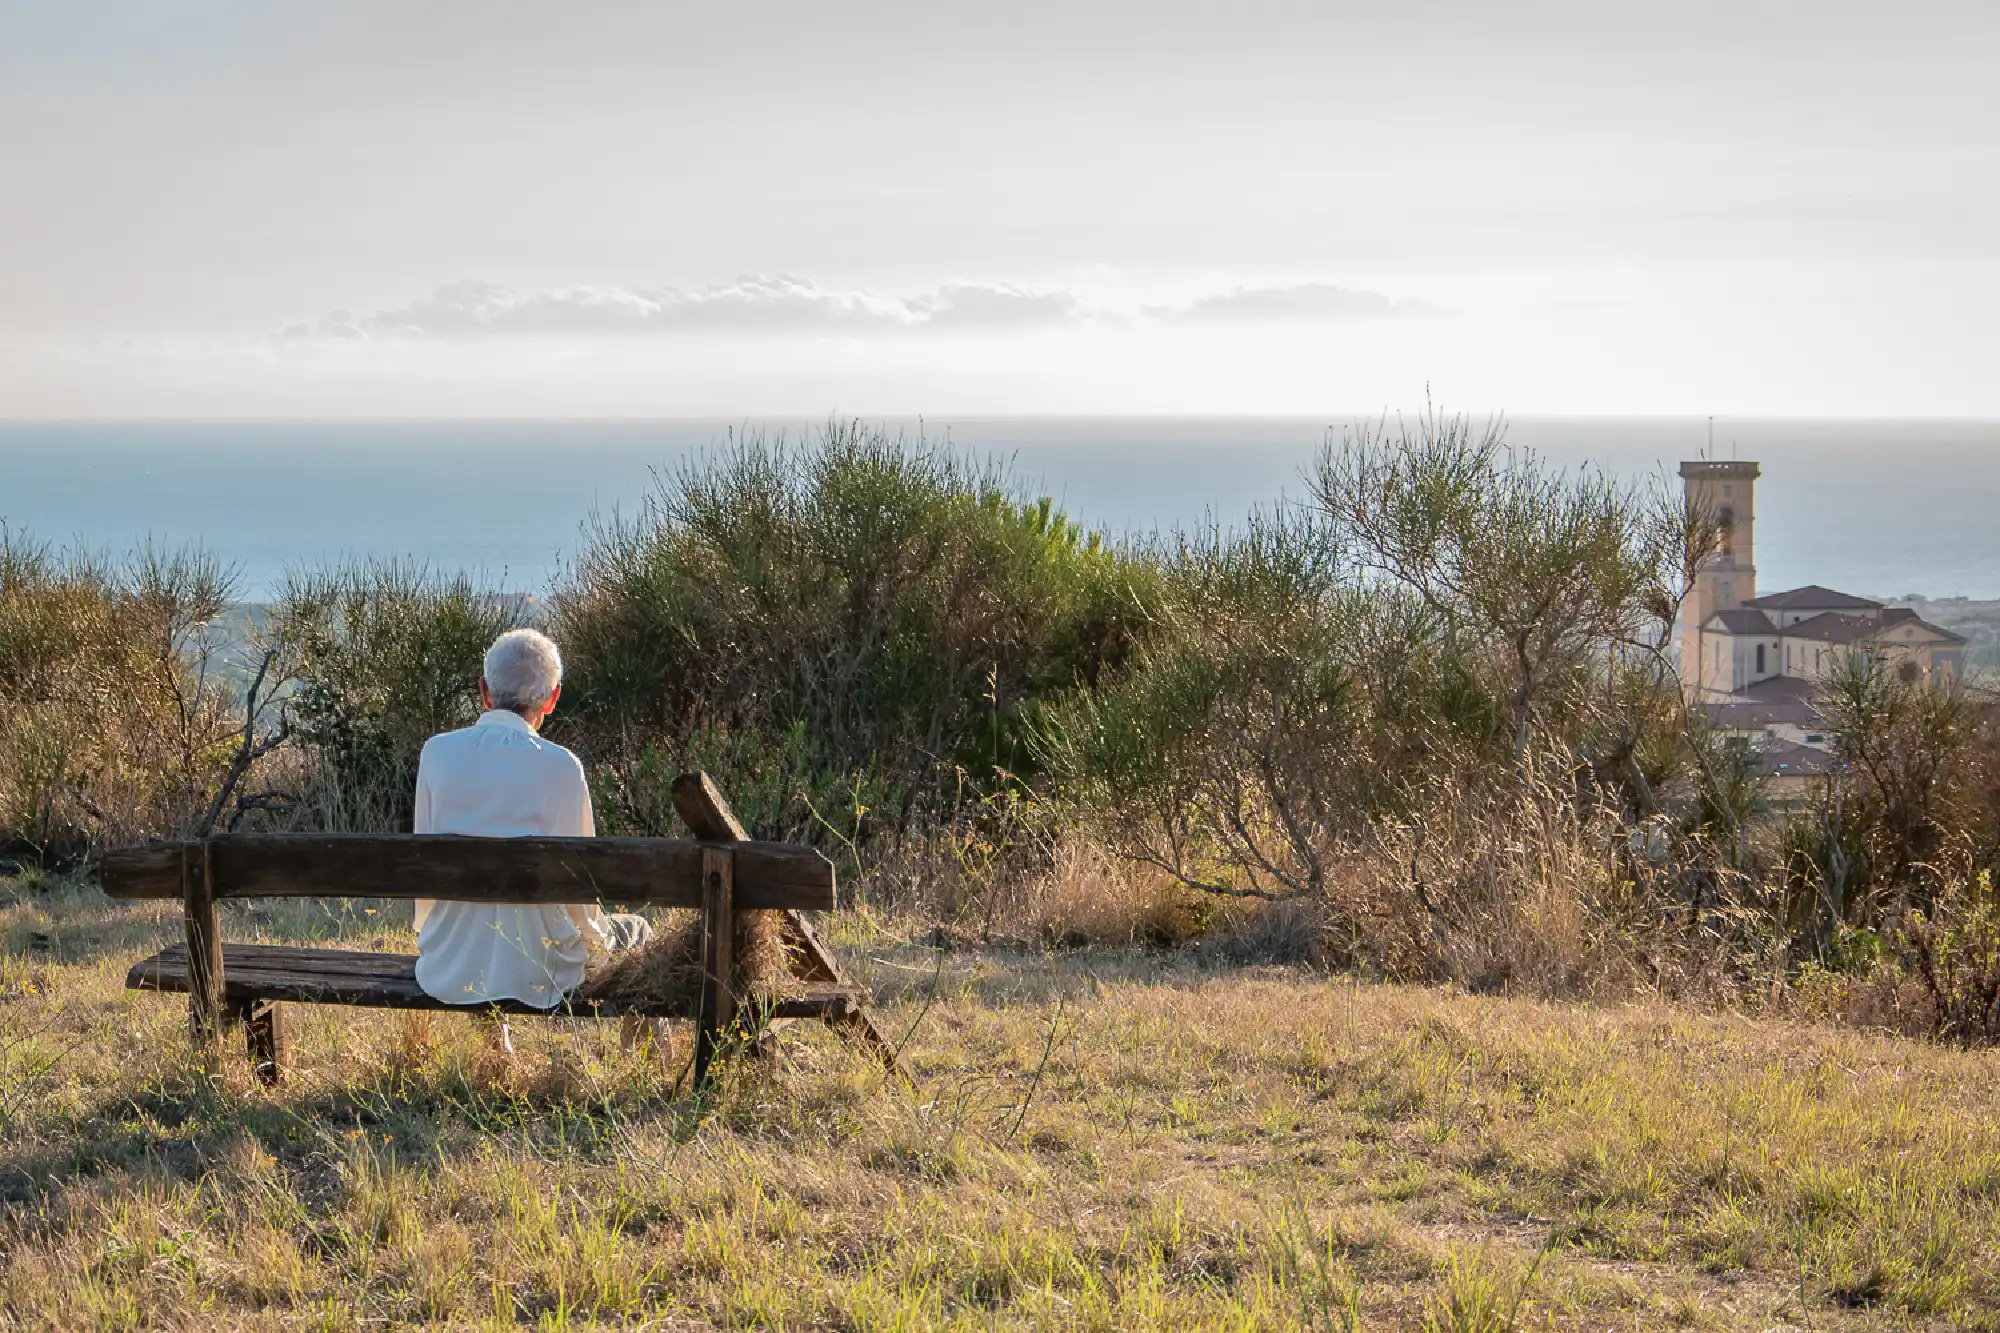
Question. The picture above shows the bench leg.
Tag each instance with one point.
(264, 1033)
(718, 970)
(207, 1014)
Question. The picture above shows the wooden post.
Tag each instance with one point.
(264, 1029)
(718, 918)
(203, 924)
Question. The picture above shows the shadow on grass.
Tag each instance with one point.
(188, 1123)
(570, 1095)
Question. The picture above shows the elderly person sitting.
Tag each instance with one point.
(499, 779)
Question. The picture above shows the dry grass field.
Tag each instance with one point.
(1097, 1140)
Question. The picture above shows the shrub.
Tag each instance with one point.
(1955, 952)
(885, 612)
(1275, 709)
(1542, 571)
(775, 786)
(381, 657)
(115, 701)
(1431, 702)
(1907, 747)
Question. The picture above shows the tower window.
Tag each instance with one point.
(1760, 659)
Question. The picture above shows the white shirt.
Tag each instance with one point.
(498, 779)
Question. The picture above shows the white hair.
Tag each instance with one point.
(523, 669)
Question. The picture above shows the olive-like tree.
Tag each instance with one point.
(1549, 576)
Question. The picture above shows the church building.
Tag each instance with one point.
(1752, 663)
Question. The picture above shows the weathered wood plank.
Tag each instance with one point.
(815, 960)
(264, 1033)
(827, 1005)
(301, 958)
(203, 926)
(295, 958)
(661, 871)
(702, 807)
(718, 942)
(269, 973)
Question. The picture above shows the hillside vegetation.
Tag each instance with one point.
(1416, 725)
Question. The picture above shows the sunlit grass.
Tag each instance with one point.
(1096, 1140)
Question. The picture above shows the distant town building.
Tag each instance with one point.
(1732, 640)
(1753, 664)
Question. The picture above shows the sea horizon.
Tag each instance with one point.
(1881, 506)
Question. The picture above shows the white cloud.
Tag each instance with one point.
(786, 304)
(753, 302)
(969, 305)
(1315, 302)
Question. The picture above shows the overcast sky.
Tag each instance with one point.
(279, 208)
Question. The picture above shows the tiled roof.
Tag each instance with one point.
(1833, 627)
(1737, 713)
(1813, 597)
(1891, 619)
(1775, 701)
(1743, 620)
(1780, 689)
(1790, 759)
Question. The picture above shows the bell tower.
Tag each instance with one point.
(1728, 578)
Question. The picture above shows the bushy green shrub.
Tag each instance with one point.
(1954, 949)
(1905, 747)
(381, 656)
(1543, 573)
(115, 708)
(892, 609)
(773, 782)
(1276, 709)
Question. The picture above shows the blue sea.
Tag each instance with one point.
(1882, 508)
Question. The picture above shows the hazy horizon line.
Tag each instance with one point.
(1719, 418)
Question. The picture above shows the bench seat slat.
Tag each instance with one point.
(274, 972)
(337, 961)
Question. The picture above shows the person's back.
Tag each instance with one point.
(500, 779)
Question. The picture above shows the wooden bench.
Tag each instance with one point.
(720, 875)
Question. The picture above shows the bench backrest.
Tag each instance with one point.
(665, 872)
